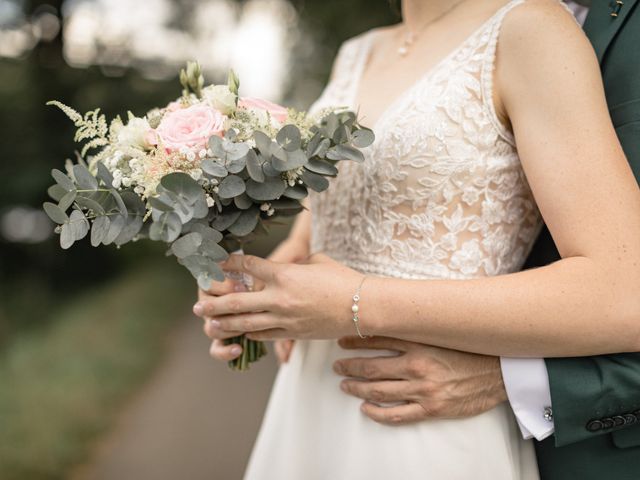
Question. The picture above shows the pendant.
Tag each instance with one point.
(403, 50)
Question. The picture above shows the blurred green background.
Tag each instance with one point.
(82, 329)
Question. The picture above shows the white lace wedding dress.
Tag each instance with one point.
(441, 194)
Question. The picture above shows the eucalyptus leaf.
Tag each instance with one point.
(66, 201)
(104, 175)
(215, 144)
(200, 207)
(340, 135)
(63, 180)
(362, 137)
(90, 204)
(289, 138)
(263, 143)
(182, 184)
(236, 165)
(167, 228)
(122, 208)
(67, 237)
(254, 166)
(297, 192)
(84, 178)
(158, 204)
(345, 152)
(285, 204)
(214, 251)
(231, 186)
(56, 192)
(79, 225)
(315, 182)
(225, 220)
(235, 151)
(213, 168)
(270, 189)
(207, 232)
(322, 167)
(269, 171)
(246, 223)
(243, 201)
(116, 225)
(55, 213)
(187, 245)
(99, 230)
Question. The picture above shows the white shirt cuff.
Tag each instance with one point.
(527, 384)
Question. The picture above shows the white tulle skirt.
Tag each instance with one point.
(314, 431)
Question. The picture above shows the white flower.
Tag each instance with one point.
(265, 207)
(134, 134)
(220, 98)
(202, 153)
(469, 258)
(210, 201)
(196, 174)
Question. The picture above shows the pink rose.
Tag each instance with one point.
(277, 112)
(190, 127)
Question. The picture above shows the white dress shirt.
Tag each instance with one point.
(526, 379)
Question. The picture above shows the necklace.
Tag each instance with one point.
(410, 37)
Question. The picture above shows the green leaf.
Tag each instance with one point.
(314, 181)
(56, 192)
(67, 237)
(291, 161)
(215, 145)
(200, 207)
(90, 204)
(231, 186)
(345, 152)
(270, 189)
(235, 151)
(213, 168)
(158, 204)
(236, 165)
(243, 201)
(122, 208)
(182, 184)
(362, 137)
(254, 166)
(187, 245)
(55, 213)
(85, 180)
(167, 228)
(214, 251)
(285, 204)
(263, 143)
(79, 225)
(99, 230)
(134, 222)
(341, 135)
(116, 225)
(246, 223)
(225, 220)
(207, 232)
(297, 192)
(269, 171)
(289, 138)
(104, 175)
(66, 201)
(63, 180)
(322, 167)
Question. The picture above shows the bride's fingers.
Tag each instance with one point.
(220, 288)
(378, 392)
(400, 415)
(223, 352)
(250, 323)
(283, 349)
(213, 331)
(233, 303)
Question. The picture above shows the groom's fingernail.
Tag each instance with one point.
(236, 350)
(198, 309)
(239, 287)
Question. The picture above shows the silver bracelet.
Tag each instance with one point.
(355, 309)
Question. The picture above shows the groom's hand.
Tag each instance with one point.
(428, 382)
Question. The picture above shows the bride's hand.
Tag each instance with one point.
(311, 300)
(290, 250)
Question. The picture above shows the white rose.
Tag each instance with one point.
(134, 134)
(220, 98)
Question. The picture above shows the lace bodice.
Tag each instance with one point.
(442, 193)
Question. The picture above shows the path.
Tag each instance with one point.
(194, 420)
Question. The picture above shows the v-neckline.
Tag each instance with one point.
(365, 56)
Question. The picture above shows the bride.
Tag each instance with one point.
(489, 116)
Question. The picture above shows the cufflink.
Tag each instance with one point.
(548, 414)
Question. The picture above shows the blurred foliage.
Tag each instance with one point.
(37, 138)
(62, 385)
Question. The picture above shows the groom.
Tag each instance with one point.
(585, 412)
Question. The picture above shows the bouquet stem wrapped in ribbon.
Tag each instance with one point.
(204, 175)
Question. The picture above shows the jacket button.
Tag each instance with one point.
(619, 420)
(630, 419)
(607, 423)
(594, 425)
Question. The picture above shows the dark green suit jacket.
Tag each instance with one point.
(596, 400)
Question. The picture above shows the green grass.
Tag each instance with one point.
(62, 386)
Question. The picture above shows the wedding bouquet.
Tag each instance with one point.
(204, 175)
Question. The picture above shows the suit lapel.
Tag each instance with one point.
(601, 27)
